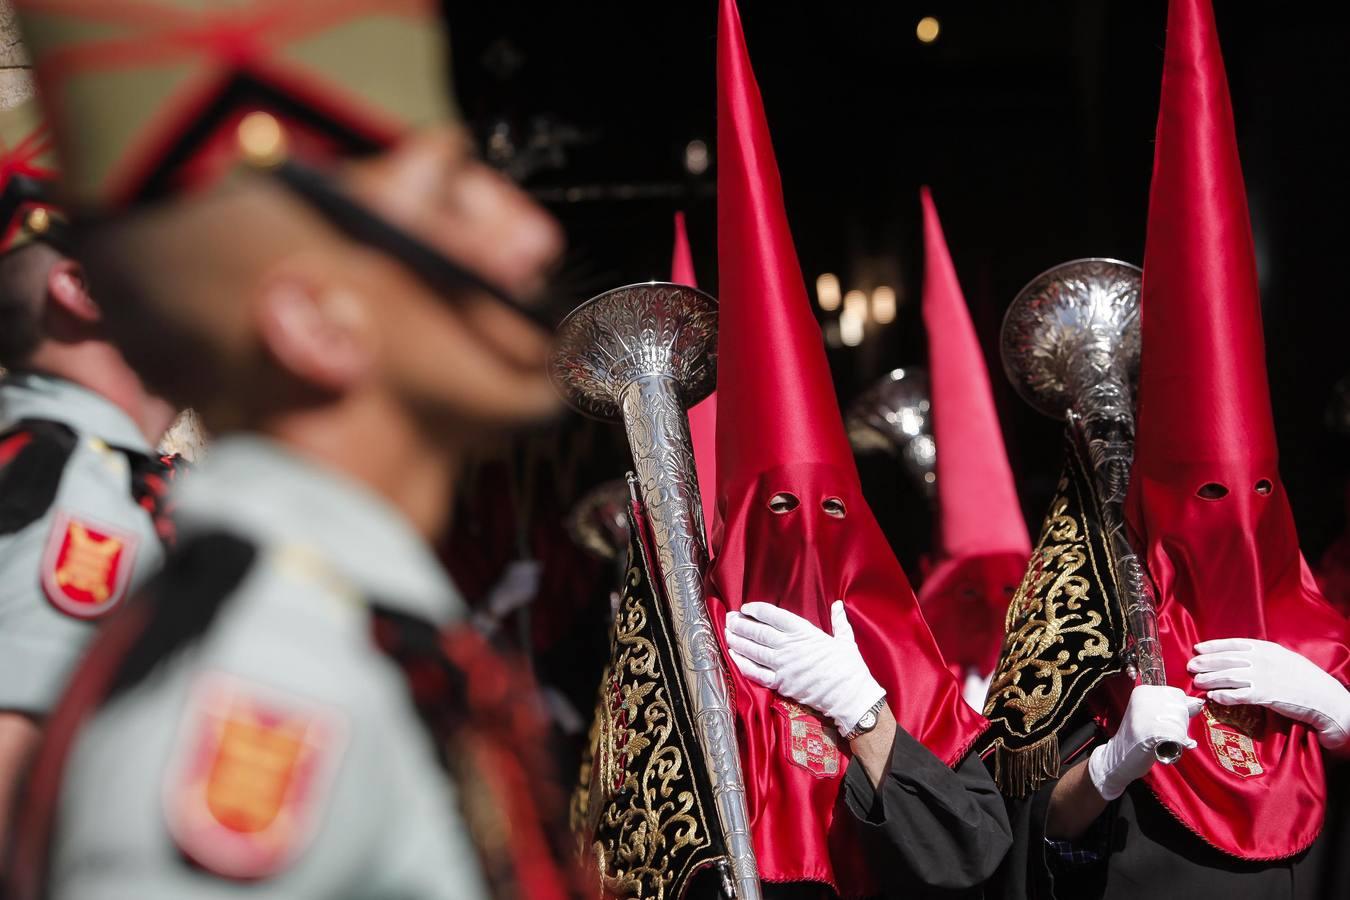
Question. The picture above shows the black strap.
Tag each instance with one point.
(184, 599)
(28, 484)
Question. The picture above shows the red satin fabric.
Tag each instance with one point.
(804, 560)
(703, 416)
(983, 544)
(965, 601)
(773, 378)
(781, 432)
(1227, 567)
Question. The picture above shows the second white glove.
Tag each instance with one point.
(1155, 714)
(1235, 671)
(785, 653)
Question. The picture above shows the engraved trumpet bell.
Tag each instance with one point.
(1074, 325)
(599, 521)
(895, 415)
(627, 332)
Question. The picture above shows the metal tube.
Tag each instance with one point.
(643, 354)
(1071, 348)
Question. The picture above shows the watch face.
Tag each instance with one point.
(868, 721)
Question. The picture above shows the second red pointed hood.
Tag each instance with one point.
(703, 417)
(1206, 504)
(795, 528)
(983, 543)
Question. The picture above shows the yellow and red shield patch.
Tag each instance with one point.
(86, 566)
(253, 772)
(810, 743)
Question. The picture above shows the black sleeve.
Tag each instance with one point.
(1036, 869)
(930, 830)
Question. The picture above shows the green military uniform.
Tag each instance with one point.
(288, 668)
(74, 540)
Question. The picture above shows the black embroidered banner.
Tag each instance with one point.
(643, 814)
(1063, 634)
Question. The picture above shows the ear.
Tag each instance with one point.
(66, 289)
(319, 333)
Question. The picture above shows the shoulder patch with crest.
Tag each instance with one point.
(87, 565)
(251, 776)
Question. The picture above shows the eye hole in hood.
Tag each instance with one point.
(833, 506)
(783, 502)
(1212, 491)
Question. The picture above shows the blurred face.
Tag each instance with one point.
(466, 358)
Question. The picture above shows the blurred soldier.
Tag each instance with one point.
(78, 475)
(287, 201)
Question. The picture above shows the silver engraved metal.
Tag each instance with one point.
(895, 415)
(644, 354)
(1070, 347)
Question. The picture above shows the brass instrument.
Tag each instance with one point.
(1070, 347)
(895, 415)
(646, 353)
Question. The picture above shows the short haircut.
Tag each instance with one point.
(23, 288)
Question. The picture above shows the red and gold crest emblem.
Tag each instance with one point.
(811, 743)
(253, 772)
(86, 566)
(1230, 730)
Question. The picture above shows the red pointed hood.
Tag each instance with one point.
(703, 417)
(777, 387)
(983, 544)
(1206, 501)
(780, 435)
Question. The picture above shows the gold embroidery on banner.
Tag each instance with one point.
(1049, 605)
(1064, 633)
(641, 817)
(1230, 730)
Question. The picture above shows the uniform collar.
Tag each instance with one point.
(270, 494)
(32, 395)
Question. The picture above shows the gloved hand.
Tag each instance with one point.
(1234, 671)
(785, 653)
(1155, 713)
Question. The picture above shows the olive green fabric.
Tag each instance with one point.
(124, 81)
(26, 153)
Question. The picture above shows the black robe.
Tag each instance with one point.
(929, 830)
(1141, 851)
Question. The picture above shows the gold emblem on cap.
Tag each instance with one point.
(262, 140)
(38, 221)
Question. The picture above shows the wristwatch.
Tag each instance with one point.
(867, 721)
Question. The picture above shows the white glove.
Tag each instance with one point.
(785, 653)
(1155, 713)
(1234, 671)
(976, 689)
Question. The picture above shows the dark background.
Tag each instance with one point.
(1032, 122)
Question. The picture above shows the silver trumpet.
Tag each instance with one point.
(1070, 347)
(895, 415)
(644, 354)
